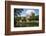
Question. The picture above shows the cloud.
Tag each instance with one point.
(29, 12)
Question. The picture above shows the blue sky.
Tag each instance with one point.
(28, 11)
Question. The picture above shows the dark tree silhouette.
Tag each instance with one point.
(37, 17)
(16, 13)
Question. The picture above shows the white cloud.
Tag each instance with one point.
(29, 12)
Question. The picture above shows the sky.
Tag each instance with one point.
(28, 12)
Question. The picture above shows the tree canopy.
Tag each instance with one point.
(17, 11)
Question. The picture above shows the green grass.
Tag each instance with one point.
(27, 24)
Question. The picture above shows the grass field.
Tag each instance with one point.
(27, 24)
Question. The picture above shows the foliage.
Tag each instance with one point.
(18, 18)
(31, 24)
(17, 11)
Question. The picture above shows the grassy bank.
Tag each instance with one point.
(27, 24)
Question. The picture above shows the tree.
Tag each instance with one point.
(24, 19)
(37, 17)
(33, 16)
(17, 11)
